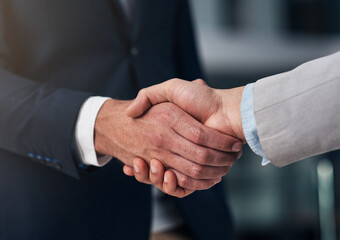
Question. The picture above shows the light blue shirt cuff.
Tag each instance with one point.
(249, 123)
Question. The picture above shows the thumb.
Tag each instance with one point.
(148, 97)
(139, 105)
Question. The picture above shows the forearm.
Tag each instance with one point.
(297, 112)
(38, 120)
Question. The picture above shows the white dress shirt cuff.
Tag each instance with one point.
(84, 132)
(249, 123)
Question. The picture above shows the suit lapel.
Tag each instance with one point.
(139, 16)
(146, 12)
(122, 25)
(130, 31)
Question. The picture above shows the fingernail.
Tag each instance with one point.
(136, 169)
(166, 179)
(154, 170)
(237, 147)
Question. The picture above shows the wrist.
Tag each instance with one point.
(231, 108)
(84, 131)
(109, 117)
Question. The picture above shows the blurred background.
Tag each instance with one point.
(241, 41)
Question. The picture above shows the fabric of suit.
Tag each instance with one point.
(298, 112)
(53, 56)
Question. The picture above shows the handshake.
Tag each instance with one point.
(179, 136)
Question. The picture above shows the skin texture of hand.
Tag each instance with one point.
(163, 179)
(219, 109)
(216, 108)
(195, 153)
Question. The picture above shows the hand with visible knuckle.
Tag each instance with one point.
(197, 172)
(202, 156)
(184, 182)
(198, 135)
(149, 136)
(212, 130)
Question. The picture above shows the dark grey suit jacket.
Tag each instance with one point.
(54, 54)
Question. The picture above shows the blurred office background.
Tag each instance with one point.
(241, 41)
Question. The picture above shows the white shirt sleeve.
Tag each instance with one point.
(84, 131)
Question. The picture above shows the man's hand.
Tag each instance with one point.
(196, 154)
(215, 108)
(219, 109)
(163, 179)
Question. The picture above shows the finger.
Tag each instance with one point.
(194, 184)
(201, 155)
(150, 96)
(141, 170)
(128, 170)
(170, 186)
(170, 182)
(194, 170)
(167, 181)
(194, 131)
(200, 81)
(156, 174)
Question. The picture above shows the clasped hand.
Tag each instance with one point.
(216, 109)
(185, 142)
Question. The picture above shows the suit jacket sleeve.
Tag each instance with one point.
(298, 112)
(37, 120)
